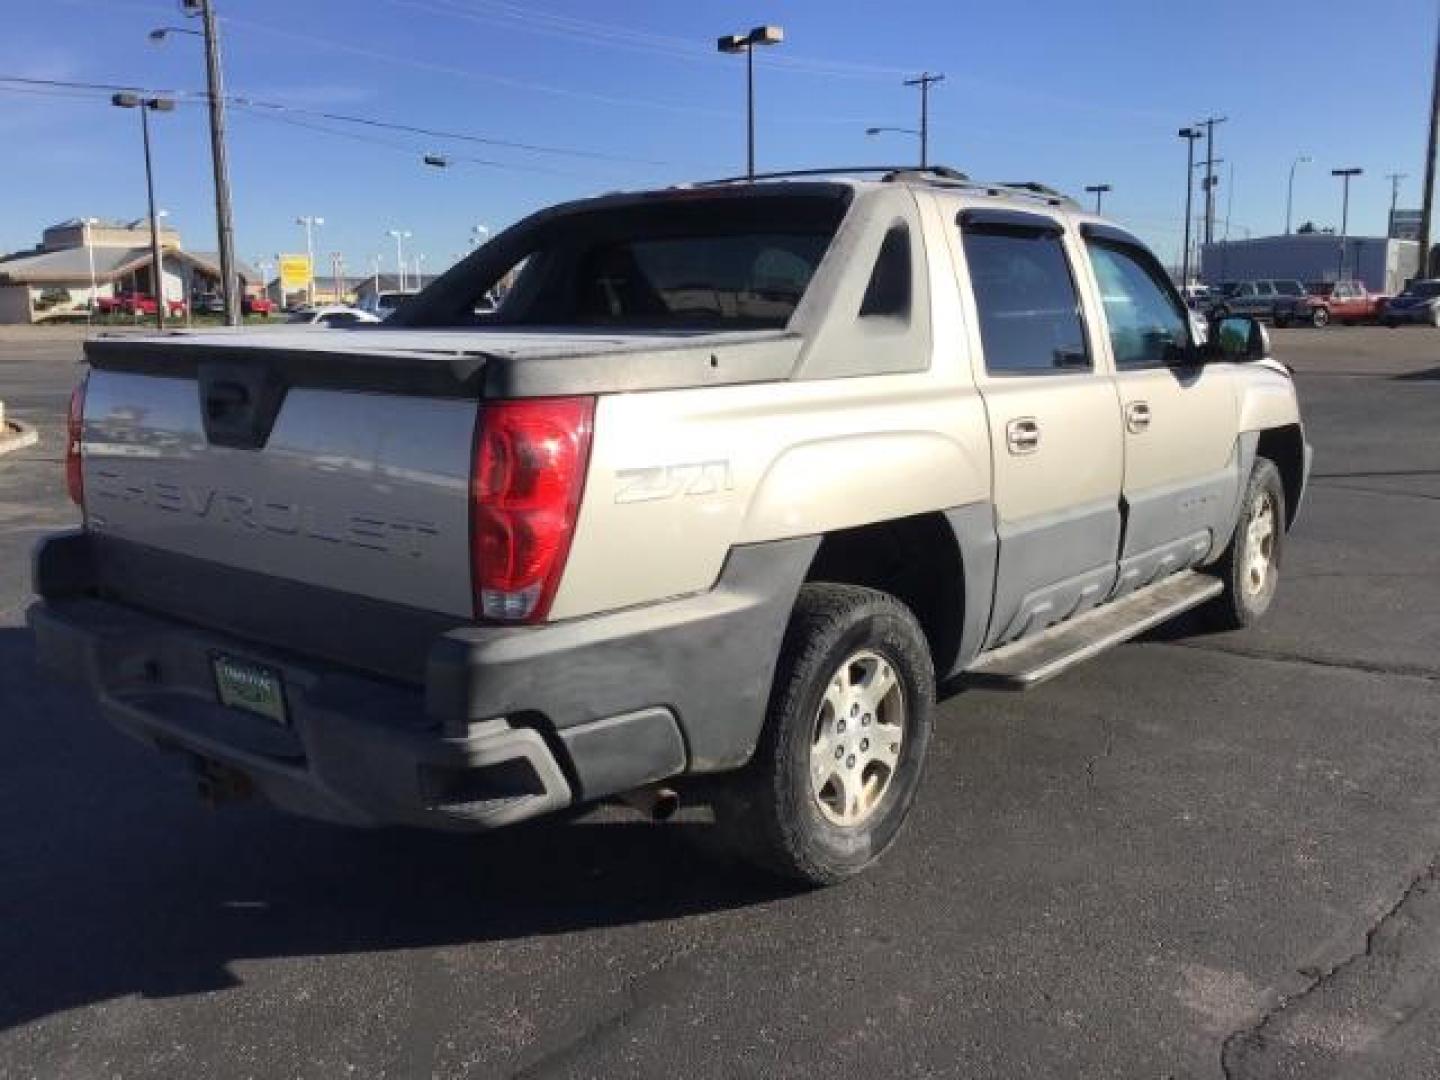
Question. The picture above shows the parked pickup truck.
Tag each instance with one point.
(1347, 302)
(732, 478)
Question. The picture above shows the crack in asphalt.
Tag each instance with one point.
(1253, 1034)
(1403, 671)
(1095, 759)
(1376, 490)
(640, 991)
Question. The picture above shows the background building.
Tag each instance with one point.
(77, 261)
(1383, 264)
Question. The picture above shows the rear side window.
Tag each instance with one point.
(1029, 309)
(888, 294)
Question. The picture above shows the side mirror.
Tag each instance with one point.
(1239, 338)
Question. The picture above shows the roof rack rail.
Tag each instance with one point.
(932, 174)
(834, 170)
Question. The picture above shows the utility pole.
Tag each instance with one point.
(1189, 134)
(1394, 178)
(1210, 179)
(1427, 202)
(924, 81)
(215, 85)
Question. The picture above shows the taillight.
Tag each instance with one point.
(74, 430)
(530, 459)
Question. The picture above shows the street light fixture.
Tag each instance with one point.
(1345, 175)
(160, 33)
(884, 129)
(1190, 135)
(1098, 190)
(310, 223)
(745, 43)
(147, 105)
(219, 163)
(1303, 159)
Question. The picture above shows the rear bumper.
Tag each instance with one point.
(508, 723)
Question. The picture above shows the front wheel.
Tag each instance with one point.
(834, 776)
(1319, 317)
(1250, 567)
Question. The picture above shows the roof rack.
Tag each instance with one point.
(834, 170)
(941, 175)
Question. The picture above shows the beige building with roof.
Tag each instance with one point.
(79, 261)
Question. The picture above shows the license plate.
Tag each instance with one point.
(252, 687)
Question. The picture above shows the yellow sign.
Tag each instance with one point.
(294, 271)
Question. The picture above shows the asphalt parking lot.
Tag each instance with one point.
(1198, 856)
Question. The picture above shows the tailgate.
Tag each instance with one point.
(350, 474)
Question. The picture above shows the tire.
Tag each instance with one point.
(1250, 582)
(1319, 318)
(796, 810)
(1281, 321)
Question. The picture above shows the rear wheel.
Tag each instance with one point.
(1319, 317)
(1250, 567)
(834, 776)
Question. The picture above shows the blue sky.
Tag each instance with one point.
(1068, 93)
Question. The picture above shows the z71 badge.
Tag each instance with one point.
(672, 481)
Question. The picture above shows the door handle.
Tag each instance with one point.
(1137, 417)
(1022, 435)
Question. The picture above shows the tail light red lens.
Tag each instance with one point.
(530, 460)
(74, 431)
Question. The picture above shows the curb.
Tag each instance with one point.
(14, 435)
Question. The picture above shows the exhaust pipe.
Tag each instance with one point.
(656, 803)
(216, 784)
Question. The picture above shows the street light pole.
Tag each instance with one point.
(89, 223)
(157, 267)
(1345, 175)
(1303, 159)
(924, 81)
(310, 223)
(738, 43)
(400, 236)
(1098, 190)
(1189, 134)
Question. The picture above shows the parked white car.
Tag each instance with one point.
(332, 315)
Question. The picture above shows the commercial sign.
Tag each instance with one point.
(1405, 224)
(295, 271)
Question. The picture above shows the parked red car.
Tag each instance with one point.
(1348, 302)
(257, 305)
(133, 303)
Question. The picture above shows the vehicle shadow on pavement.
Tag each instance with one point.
(114, 881)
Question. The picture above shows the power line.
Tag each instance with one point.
(413, 129)
(592, 32)
(394, 144)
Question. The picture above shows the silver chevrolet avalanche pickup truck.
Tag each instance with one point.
(733, 477)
